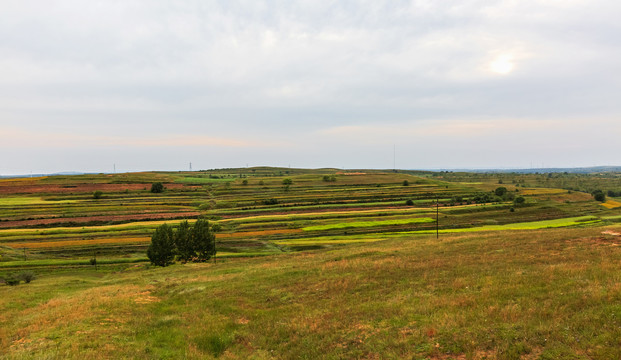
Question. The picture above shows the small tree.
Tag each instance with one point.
(500, 191)
(157, 187)
(161, 252)
(97, 194)
(519, 200)
(204, 240)
(184, 242)
(406, 183)
(409, 202)
(287, 181)
(599, 195)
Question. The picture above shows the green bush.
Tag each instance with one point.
(271, 201)
(157, 187)
(97, 194)
(27, 276)
(12, 280)
(406, 183)
(409, 202)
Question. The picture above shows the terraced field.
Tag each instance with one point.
(258, 213)
(312, 264)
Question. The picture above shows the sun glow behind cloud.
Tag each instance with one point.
(502, 64)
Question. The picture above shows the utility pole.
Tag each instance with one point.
(394, 157)
(190, 166)
(437, 218)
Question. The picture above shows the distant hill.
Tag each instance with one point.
(578, 170)
(39, 175)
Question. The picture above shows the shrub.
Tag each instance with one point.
(519, 200)
(409, 202)
(287, 181)
(12, 280)
(157, 187)
(244, 182)
(97, 194)
(27, 276)
(271, 201)
(93, 261)
(500, 191)
(406, 183)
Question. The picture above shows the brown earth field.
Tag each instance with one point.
(101, 218)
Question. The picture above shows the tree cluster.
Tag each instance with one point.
(599, 195)
(196, 242)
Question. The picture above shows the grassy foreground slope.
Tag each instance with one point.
(547, 294)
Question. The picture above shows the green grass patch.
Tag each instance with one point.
(28, 200)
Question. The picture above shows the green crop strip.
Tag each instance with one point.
(533, 225)
(17, 201)
(359, 224)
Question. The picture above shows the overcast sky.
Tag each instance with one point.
(155, 85)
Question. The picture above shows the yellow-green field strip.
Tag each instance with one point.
(359, 238)
(361, 224)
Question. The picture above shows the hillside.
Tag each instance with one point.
(330, 265)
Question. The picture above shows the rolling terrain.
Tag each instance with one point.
(314, 263)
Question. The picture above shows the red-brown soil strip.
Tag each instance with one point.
(101, 218)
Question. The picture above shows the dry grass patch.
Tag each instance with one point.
(81, 242)
(611, 204)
